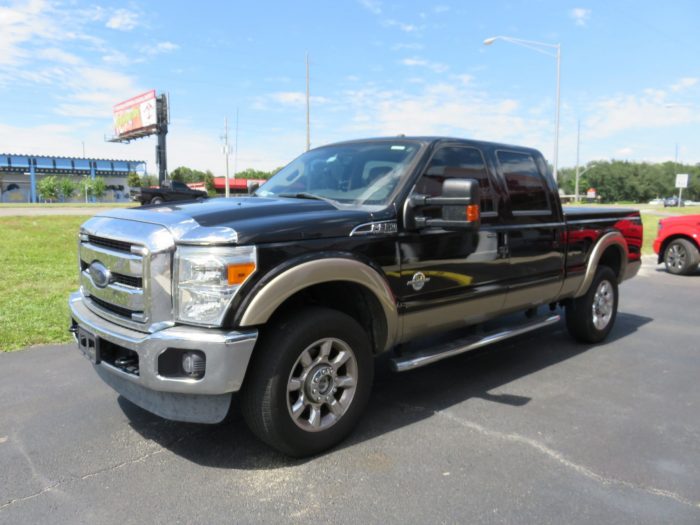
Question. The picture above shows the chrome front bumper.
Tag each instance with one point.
(196, 400)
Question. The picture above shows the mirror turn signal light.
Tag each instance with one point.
(237, 273)
(473, 213)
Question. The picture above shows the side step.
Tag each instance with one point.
(460, 346)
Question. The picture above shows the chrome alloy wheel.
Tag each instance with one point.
(676, 256)
(322, 384)
(603, 303)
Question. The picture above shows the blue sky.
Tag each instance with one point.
(630, 73)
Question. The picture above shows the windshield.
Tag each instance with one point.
(358, 174)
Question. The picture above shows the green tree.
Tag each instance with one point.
(256, 174)
(148, 181)
(66, 188)
(209, 183)
(48, 188)
(86, 186)
(133, 180)
(181, 174)
(99, 187)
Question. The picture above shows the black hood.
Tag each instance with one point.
(256, 219)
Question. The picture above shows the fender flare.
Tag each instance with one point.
(614, 238)
(318, 271)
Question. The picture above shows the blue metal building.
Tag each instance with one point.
(21, 172)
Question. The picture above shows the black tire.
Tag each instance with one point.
(270, 396)
(681, 257)
(590, 317)
(156, 200)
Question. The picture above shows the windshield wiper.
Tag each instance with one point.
(305, 195)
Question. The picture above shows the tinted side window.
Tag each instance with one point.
(457, 162)
(525, 183)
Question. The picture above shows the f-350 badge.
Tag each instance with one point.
(418, 281)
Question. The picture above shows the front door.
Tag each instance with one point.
(449, 279)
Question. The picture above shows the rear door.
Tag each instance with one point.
(452, 278)
(534, 229)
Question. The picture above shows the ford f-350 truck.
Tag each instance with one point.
(353, 250)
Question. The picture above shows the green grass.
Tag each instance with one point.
(651, 227)
(38, 269)
(70, 205)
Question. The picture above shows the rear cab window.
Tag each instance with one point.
(525, 183)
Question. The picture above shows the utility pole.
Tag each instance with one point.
(308, 123)
(226, 152)
(235, 150)
(578, 147)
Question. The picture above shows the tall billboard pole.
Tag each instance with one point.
(162, 127)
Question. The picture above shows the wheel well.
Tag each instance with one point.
(350, 298)
(612, 258)
(668, 240)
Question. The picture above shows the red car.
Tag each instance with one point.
(678, 243)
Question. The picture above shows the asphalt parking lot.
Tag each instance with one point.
(536, 430)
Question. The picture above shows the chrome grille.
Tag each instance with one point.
(128, 280)
(124, 312)
(138, 256)
(121, 246)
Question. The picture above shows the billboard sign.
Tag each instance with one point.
(136, 114)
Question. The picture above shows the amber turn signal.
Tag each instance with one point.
(237, 273)
(473, 213)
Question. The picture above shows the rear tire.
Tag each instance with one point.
(156, 200)
(590, 317)
(309, 381)
(681, 257)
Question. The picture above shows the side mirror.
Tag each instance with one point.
(252, 186)
(459, 202)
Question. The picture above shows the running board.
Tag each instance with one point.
(465, 344)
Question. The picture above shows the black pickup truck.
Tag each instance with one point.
(167, 192)
(417, 247)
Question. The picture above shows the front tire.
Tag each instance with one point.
(590, 317)
(309, 381)
(681, 257)
(157, 200)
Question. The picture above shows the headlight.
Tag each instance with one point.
(207, 279)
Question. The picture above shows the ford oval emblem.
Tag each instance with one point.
(100, 275)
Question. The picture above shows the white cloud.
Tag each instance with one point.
(684, 83)
(410, 46)
(160, 48)
(287, 98)
(123, 20)
(406, 28)
(580, 15)
(55, 54)
(465, 79)
(641, 111)
(373, 6)
(436, 67)
(624, 152)
(116, 57)
(21, 24)
(92, 91)
(443, 109)
(441, 8)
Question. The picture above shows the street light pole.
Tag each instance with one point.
(538, 46)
